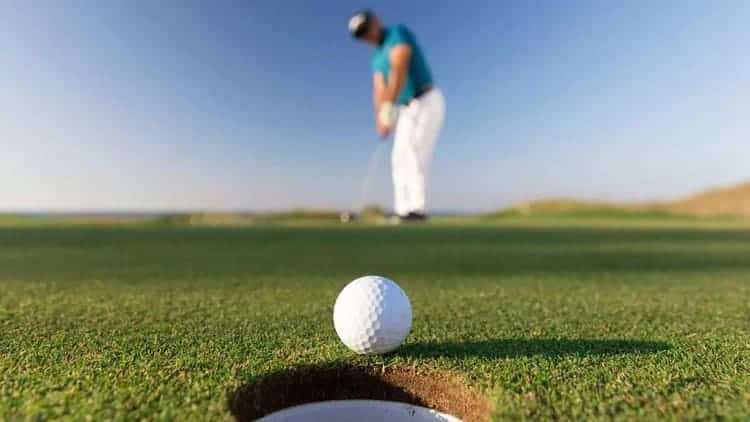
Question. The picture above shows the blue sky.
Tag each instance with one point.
(171, 105)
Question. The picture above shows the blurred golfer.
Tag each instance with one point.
(408, 104)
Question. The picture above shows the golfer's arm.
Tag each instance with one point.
(400, 57)
(378, 90)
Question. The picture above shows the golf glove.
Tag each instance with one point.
(388, 114)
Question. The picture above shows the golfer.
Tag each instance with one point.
(407, 103)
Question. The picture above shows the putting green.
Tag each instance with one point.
(542, 321)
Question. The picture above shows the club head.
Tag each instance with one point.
(347, 217)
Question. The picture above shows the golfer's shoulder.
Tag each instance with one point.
(400, 33)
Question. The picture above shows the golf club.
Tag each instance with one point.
(366, 187)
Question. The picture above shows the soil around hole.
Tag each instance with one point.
(283, 389)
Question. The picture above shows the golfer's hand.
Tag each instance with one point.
(383, 131)
(385, 118)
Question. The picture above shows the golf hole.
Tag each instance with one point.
(360, 411)
(357, 393)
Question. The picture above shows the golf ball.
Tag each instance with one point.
(372, 314)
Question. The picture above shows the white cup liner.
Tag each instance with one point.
(358, 411)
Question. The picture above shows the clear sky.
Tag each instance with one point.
(265, 104)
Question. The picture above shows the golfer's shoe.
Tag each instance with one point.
(416, 217)
(412, 217)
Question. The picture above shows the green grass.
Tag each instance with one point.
(12, 220)
(572, 211)
(548, 321)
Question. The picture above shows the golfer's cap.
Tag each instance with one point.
(359, 21)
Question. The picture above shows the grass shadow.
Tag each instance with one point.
(519, 347)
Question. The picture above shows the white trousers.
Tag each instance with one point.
(417, 131)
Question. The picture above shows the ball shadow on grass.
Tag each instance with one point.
(279, 390)
(519, 347)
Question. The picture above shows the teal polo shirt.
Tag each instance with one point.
(419, 72)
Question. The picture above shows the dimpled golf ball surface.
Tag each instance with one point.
(372, 315)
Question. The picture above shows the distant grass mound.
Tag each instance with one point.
(571, 208)
(727, 201)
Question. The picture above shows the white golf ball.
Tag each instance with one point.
(372, 314)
